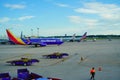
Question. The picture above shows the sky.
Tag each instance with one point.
(60, 17)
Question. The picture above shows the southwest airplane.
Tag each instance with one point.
(33, 41)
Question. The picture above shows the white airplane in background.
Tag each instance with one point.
(74, 39)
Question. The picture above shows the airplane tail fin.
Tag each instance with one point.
(13, 38)
(73, 37)
(84, 36)
(21, 36)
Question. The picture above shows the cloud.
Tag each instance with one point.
(105, 11)
(61, 5)
(25, 17)
(15, 6)
(83, 10)
(111, 16)
(75, 19)
(4, 19)
(80, 20)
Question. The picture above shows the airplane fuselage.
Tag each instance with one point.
(42, 41)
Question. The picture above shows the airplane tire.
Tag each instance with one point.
(35, 45)
(13, 64)
(60, 57)
(25, 64)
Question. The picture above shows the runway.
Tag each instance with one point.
(102, 54)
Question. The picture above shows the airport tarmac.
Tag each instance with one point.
(104, 55)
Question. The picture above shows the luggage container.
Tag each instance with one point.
(23, 74)
(5, 76)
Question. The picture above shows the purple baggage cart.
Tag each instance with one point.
(23, 74)
(5, 76)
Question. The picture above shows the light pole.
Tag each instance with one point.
(37, 32)
(31, 32)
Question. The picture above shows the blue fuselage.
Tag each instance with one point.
(42, 41)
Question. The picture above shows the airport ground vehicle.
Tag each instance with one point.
(24, 74)
(55, 55)
(23, 61)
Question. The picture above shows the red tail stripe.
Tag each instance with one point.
(11, 37)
